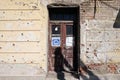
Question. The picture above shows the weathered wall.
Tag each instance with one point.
(100, 41)
(23, 50)
(24, 32)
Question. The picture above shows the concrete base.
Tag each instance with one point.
(100, 77)
(21, 72)
(22, 77)
(61, 76)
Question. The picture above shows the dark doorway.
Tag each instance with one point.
(64, 38)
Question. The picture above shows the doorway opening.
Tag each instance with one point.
(64, 38)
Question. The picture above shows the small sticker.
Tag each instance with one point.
(69, 41)
(55, 41)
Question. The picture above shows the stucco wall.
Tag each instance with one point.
(23, 37)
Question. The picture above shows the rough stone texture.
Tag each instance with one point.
(100, 39)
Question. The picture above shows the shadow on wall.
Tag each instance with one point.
(86, 74)
(60, 62)
(117, 21)
(58, 65)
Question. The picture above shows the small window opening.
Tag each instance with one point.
(62, 13)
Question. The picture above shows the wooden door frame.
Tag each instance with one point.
(49, 36)
(77, 35)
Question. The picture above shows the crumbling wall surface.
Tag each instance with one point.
(23, 37)
(100, 35)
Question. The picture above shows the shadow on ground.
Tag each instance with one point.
(86, 74)
(60, 62)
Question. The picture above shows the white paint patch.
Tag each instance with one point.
(27, 36)
(8, 25)
(100, 58)
(7, 46)
(69, 41)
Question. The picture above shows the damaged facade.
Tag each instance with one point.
(24, 34)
